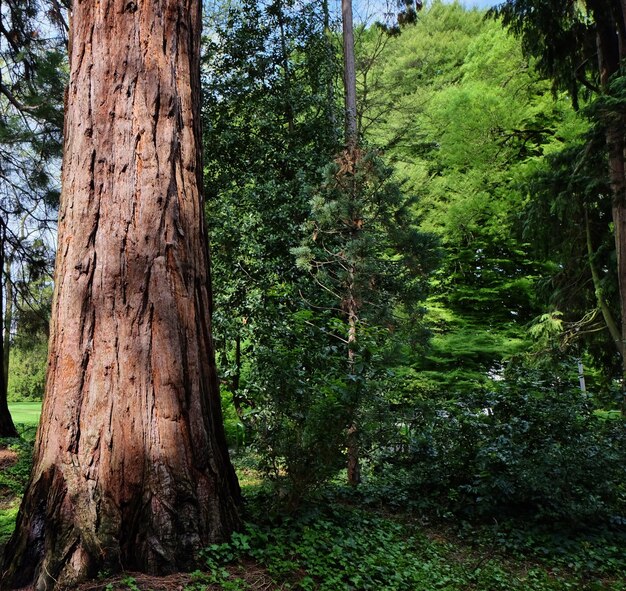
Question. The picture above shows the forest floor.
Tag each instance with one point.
(336, 544)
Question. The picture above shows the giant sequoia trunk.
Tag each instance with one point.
(131, 468)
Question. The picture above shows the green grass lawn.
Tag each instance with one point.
(25, 413)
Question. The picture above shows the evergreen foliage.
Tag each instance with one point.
(274, 219)
(577, 47)
(33, 76)
(464, 115)
(270, 125)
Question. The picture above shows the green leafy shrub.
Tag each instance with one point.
(528, 449)
(300, 386)
(233, 426)
(597, 550)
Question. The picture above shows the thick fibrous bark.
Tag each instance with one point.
(131, 468)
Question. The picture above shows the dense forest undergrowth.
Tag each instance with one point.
(385, 535)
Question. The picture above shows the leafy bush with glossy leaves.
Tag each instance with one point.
(530, 448)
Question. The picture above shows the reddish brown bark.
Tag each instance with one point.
(131, 468)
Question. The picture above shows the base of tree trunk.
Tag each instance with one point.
(7, 427)
(60, 542)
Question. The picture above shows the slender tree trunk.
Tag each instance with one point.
(349, 75)
(131, 468)
(616, 143)
(352, 154)
(610, 57)
(7, 428)
(612, 326)
(284, 58)
(235, 383)
(581, 376)
(330, 57)
(8, 322)
(352, 439)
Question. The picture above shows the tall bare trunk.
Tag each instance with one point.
(8, 322)
(616, 143)
(610, 56)
(353, 154)
(7, 428)
(349, 74)
(352, 439)
(612, 326)
(284, 58)
(330, 56)
(131, 468)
